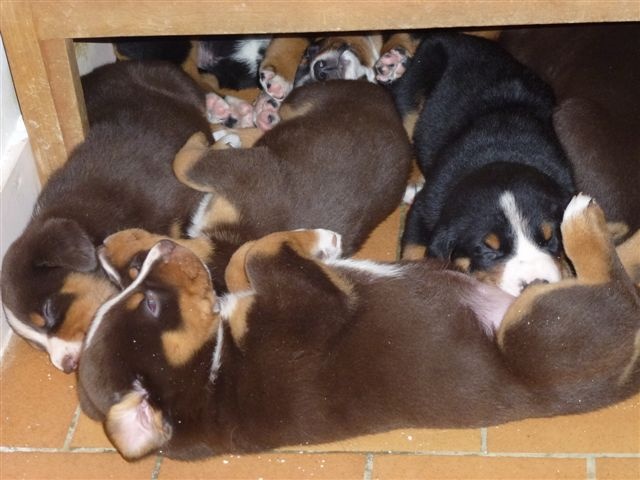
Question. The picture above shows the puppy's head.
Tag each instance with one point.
(51, 287)
(348, 57)
(504, 234)
(148, 353)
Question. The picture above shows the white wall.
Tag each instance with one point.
(19, 185)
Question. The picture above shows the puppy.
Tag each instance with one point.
(310, 348)
(339, 159)
(120, 177)
(497, 179)
(595, 72)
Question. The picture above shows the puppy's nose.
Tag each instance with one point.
(325, 69)
(69, 363)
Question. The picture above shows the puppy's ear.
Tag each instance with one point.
(136, 428)
(63, 243)
(441, 244)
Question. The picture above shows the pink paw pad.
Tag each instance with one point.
(391, 65)
(276, 86)
(265, 112)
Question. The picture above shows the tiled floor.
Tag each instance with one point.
(44, 435)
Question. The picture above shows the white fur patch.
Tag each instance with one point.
(153, 255)
(250, 52)
(110, 270)
(528, 262)
(229, 303)
(197, 220)
(216, 360)
(57, 348)
(576, 206)
(382, 270)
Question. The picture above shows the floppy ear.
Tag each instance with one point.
(63, 243)
(136, 428)
(441, 244)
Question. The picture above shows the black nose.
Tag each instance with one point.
(320, 70)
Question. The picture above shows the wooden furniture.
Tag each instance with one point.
(38, 37)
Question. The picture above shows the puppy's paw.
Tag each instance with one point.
(578, 204)
(276, 86)
(391, 66)
(218, 110)
(265, 112)
(231, 140)
(411, 192)
(328, 245)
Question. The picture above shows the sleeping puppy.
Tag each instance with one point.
(339, 159)
(120, 177)
(497, 180)
(292, 354)
(595, 73)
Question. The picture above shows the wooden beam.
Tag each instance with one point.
(66, 89)
(107, 18)
(32, 87)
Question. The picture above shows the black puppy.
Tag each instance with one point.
(496, 177)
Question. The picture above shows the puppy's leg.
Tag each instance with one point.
(315, 244)
(224, 171)
(394, 56)
(587, 241)
(280, 63)
(629, 254)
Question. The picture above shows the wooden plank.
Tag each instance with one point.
(64, 80)
(32, 87)
(105, 18)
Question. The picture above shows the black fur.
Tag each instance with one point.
(485, 129)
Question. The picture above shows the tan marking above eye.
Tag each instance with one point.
(37, 320)
(547, 231)
(134, 301)
(464, 263)
(492, 241)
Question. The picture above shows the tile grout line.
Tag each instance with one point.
(155, 473)
(468, 453)
(591, 468)
(483, 441)
(368, 467)
(72, 429)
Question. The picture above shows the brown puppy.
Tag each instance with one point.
(140, 114)
(310, 348)
(339, 160)
(595, 73)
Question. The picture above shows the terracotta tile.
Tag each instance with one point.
(382, 244)
(268, 466)
(70, 466)
(613, 430)
(89, 434)
(37, 401)
(618, 468)
(405, 467)
(405, 440)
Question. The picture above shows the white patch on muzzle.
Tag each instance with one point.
(528, 262)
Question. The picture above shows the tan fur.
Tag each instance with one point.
(121, 247)
(492, 241)
(629, 254)
(90, 292)
(401, 40)
(414, 252)
(288, 112)
(237, 322)
(188, 156)
(363, 46)
(234, 275)
(134, 301)
(463, 263)
(410, 119)
(547, 230)
(37, 319)
(283, 55)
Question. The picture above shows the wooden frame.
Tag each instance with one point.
(38, 37)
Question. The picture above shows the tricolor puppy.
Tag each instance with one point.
(497, 179)
(595, 73)
(140, 115)
(310, 348)
(339, 159)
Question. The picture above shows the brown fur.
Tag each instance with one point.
(309, 362)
